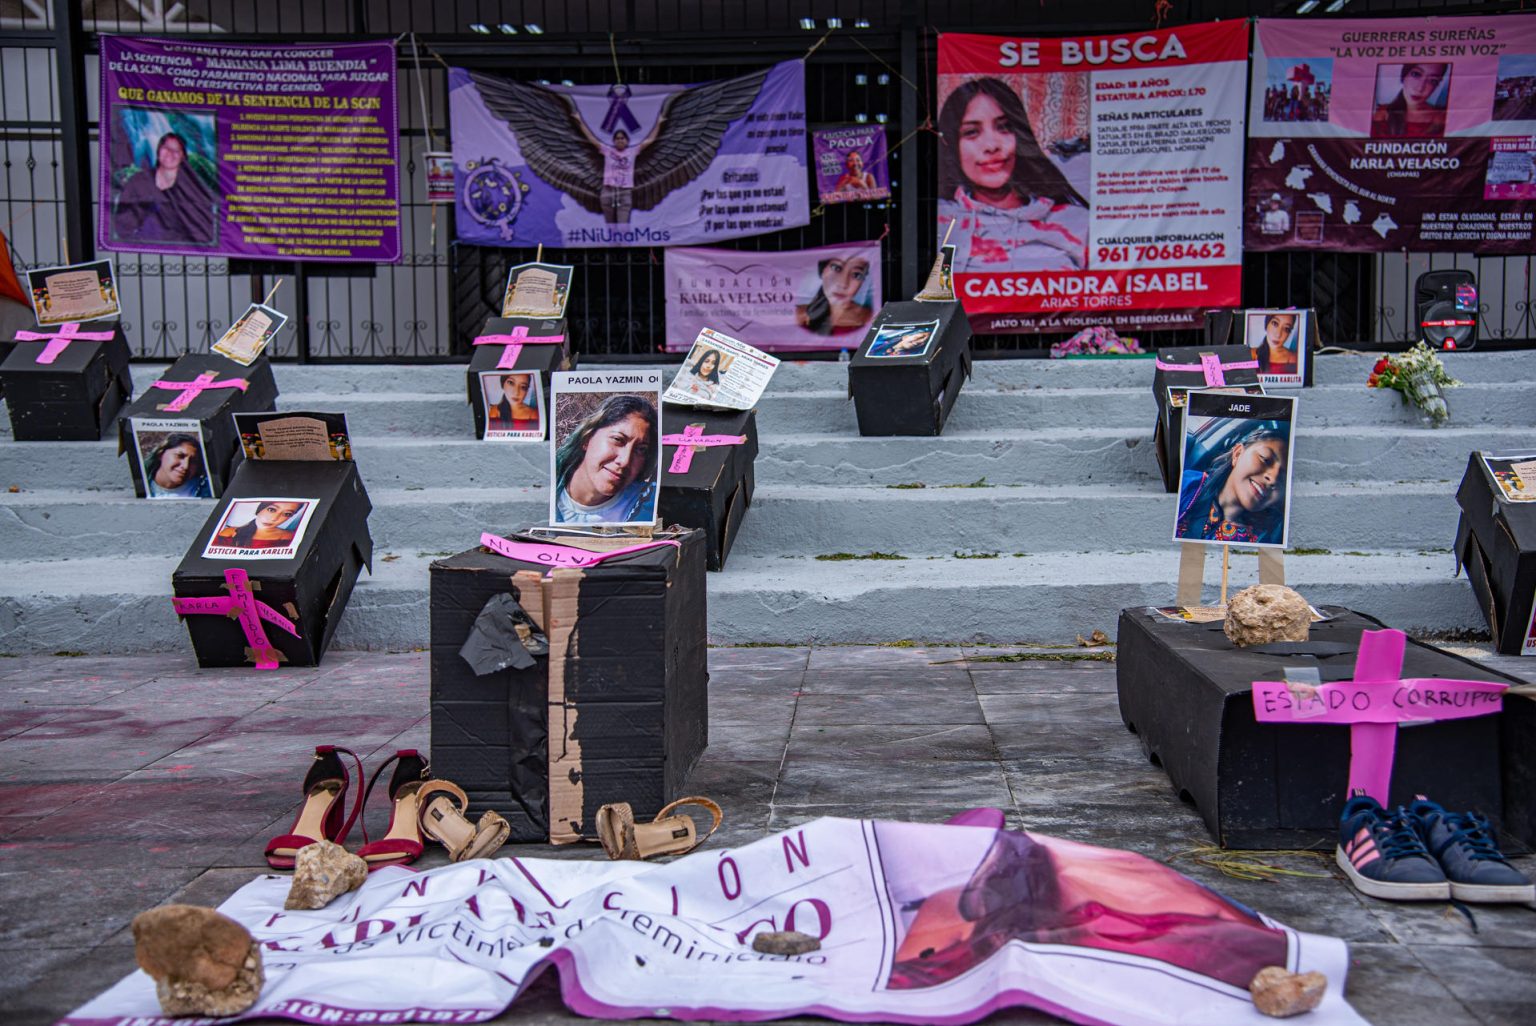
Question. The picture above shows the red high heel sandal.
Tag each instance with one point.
(402, 843)
(323, 815)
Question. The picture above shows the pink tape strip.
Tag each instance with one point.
(509, 355)
(559, 555)
(58, 341)
(191, 389)
(1212, 367)
(518, 336)
(247, 609)
(704, 440)
(682, 459)
(1374, 704)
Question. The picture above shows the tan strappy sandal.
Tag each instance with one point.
(443, 805)
(667, 834)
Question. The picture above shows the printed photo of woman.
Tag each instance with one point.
(842, 303)
(511, 401)
(703, 377)
(173, 468)
(1236, 479)
(854, 175)
(1411, 101)
(260, 529)
(167, 202)
(903, 339)
(1012, 208)
(606, 465)
(1277, 338)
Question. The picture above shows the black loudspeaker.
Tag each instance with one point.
(1446, 302)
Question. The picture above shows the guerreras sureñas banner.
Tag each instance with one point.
(1088, 179)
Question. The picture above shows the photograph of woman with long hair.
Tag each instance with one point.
(702, 377)
(271, 524)
(606, 464)
(854, 176)
(1012, 207)
(512, 401)
(842, 303)
(173, 466)
(167, 202)
(1236, 479)
(1276, 338)
(1415, 100)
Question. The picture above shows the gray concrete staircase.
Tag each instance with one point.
(1038, 514)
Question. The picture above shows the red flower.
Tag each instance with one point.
(1371, 382)
(1381, 365)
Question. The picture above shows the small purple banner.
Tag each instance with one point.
(851, 163)
(269, 152)
(821, 298)
(628, 165)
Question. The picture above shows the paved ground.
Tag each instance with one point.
(127, 782)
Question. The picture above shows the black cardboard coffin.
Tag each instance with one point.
(312, 588)
(1496, 543)
(74, 398)
(618, 709)
(715, 492)
(546, 358)
(1191, 367)
(1186, 692)
(911, 395)
(210, 409)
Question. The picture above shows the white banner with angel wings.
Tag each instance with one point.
(628, 165)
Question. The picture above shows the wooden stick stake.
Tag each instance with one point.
(538, 257)
(272, 293)
(946, 234)
(1226, 556)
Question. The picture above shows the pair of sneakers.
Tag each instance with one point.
(1424, 853)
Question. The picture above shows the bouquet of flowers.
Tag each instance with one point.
(1096, 341)
(1420, 376)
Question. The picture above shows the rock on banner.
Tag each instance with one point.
(918, 923)
(1093, 179)
(1393, 134)
(628, 165)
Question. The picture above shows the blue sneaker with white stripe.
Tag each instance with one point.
(1382, 855)
(1464, 845)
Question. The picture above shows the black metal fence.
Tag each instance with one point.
(874, 63)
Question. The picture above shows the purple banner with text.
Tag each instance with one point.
(628, 165)
(1385, 135)
(851, 163)
(803, 299)
(267, 152)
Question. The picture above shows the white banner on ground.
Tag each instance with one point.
(918, 923)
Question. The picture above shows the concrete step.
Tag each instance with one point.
(108, 605)
(1044, 456)
(811, 520)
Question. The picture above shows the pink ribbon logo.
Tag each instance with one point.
(691, 441)
(1210, 365)
(512, 344)
(242, 605)
(1374, 704)
(191, 389)
(68, 332)
(555, 556)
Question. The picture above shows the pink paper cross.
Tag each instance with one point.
(1212, 367)
(512, 344)
(555, 556)
(242, 605)
(691, 441)
(1374, 704)
(68, 332)
(191, 389)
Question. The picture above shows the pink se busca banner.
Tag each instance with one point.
(264, 151)
(918, 923)
(804, 299)
(1393, 134)
(1093, 179)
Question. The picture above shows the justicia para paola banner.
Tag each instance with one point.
(628, 165)
(1393, 134)
(223, 149)
(1093, 178)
